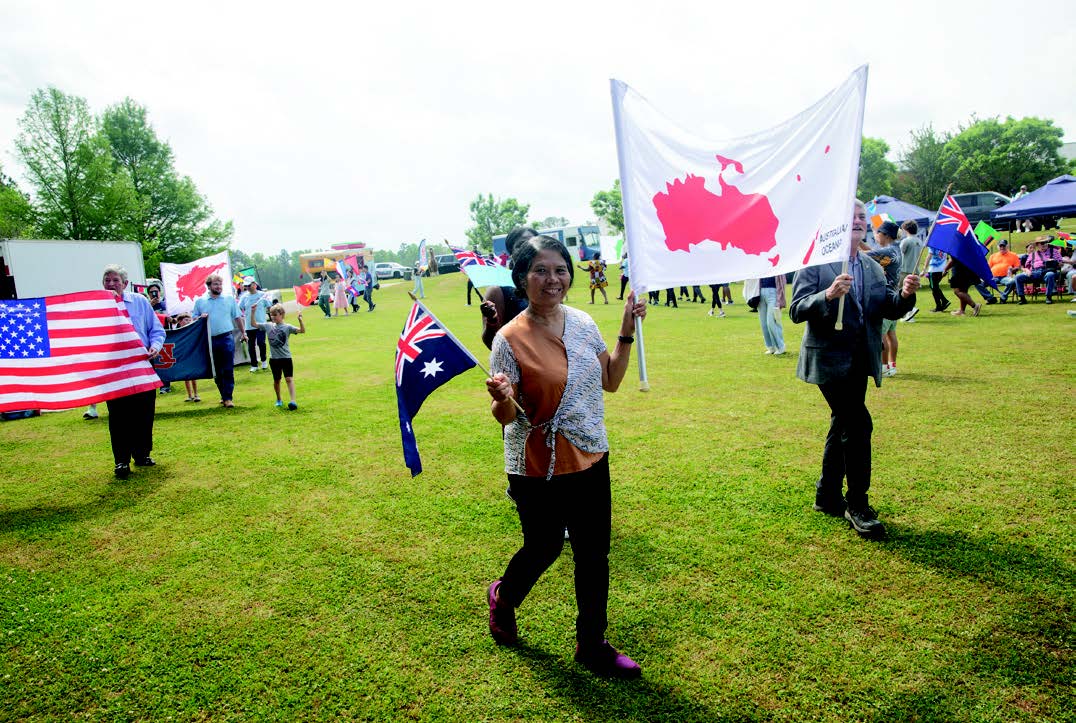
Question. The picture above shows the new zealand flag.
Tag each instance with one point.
(427, 356)
(185, 354)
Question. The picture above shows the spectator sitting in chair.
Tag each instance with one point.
(1003, 264)
(1042, 264)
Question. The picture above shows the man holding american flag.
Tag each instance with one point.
(130, 418)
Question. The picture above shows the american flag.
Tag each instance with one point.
(466, 258)
(59, 352)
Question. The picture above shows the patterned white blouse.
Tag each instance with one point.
(580, 413)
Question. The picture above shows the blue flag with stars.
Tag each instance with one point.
(427, 356)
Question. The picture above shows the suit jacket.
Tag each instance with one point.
(825, 353)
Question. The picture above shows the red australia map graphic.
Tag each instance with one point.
(690, 214)
(191, 285)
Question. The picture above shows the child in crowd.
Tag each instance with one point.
(192, 384)
(277, 333)
(339, 298)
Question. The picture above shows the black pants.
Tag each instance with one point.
(654, 298)
(323, 303)
(848, 444)
(715, 299)
(683, 293)
(256, 339)
(581, 502)
(623, 283)
(940, 302)
(471, 287)
(670, 298)
(130, 425)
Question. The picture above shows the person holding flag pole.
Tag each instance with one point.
(552, 361)
(841, 359)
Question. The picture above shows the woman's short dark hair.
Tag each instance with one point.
(523, 257)
(911, 227)
(515, 235)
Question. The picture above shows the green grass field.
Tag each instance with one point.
(285, 566)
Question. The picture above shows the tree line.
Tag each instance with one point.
(982, 155)
(105, 176)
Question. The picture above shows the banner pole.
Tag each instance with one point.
(644, 382)
(453, 338)
(840, 302)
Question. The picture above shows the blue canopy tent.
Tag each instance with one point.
(1057, 198)
(902, 211)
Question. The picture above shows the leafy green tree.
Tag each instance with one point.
(16, 211)
(876, 173)
(550, 222)
(609, 205)
(927, 169)
(993, 155)
(69, 166)
(171, 219)
(494, 216)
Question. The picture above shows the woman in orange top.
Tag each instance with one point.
(552, 360)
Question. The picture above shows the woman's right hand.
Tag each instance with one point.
(499, 387)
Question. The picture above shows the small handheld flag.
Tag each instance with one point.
(952, 234)
(427, 356)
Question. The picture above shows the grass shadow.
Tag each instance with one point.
(117, 496)
(599, 699)
(1035, 641)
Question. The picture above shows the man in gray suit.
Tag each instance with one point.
(840, 361)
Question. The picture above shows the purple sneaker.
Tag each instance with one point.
(605, 662)
(502, 619)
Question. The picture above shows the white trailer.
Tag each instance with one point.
(33, 267)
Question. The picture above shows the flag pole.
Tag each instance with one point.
(453, 338)
(840, 302)
(919, 261)
(640, 352)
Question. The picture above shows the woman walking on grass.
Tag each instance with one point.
(551, 359)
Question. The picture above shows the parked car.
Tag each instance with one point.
(977, 206)
(447, 263)
(391, 270)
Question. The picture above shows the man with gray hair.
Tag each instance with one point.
(840, 360)
(130, 418)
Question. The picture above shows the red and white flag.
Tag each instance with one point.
(59, 352)
(698, 211)
(184, 283)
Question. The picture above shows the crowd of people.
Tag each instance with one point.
(549, 368)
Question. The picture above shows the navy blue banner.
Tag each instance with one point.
(185, 354)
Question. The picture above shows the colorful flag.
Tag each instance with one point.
(251, 271)
(952, 234)
(307, 294)
(427, 356)
(879, 218)
(467, 258)
(423, 261)
(702, 212)
(353, 263)
(184, 283)
(984, 231)
(488, 274)
(59, 352)
(186, 353)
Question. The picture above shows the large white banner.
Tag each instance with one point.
(701, 212)
(184, 283)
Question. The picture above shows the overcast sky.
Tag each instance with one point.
(310, 123)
